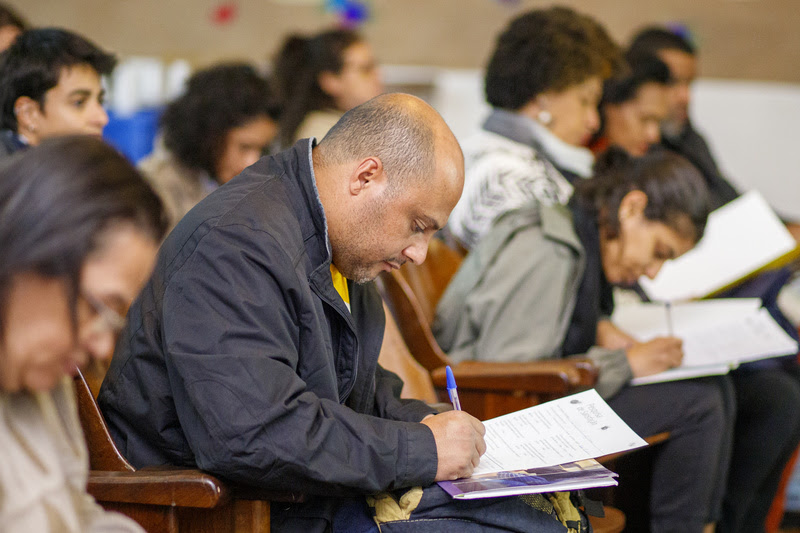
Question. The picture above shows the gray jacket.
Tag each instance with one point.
(513, 297)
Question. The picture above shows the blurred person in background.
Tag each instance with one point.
(633, 106)
(11, 25)
(678, 132)
(221, 125)
(544, 82)
(766, 400)
(320, 78)
(49, 86)
(535, 288)
(78, 241)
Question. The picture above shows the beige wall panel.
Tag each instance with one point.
(749, 39)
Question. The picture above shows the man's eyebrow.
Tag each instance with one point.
(80, 92)
(429, 221)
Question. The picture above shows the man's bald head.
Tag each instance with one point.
(388, 175)
(403, 131)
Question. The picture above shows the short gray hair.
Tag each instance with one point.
(386, 129)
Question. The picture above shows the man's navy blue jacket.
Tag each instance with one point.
(241, 358)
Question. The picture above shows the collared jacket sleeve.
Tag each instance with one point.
(235, 319)
(516, 306)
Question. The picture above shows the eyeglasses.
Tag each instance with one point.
(107, 317)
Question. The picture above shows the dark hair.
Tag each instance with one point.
(9, 17)
(654, 39)
(547, 50)
(676, 192)
(299, 63)
(56, 201)
(217, 100)
(643, 69)
(384, 128)
(33, 64)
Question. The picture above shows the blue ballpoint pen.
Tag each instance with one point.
(451, 388)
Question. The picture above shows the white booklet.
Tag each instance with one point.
(530, 450)
(717, 335)
(741, 237)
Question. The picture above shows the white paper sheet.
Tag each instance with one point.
(717, 335)
(573, 428)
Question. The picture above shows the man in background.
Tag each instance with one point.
(50, 85)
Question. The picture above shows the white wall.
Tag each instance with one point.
(754, 130)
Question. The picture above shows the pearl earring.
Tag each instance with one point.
(545, 117)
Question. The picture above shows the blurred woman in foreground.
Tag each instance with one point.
(78, 238)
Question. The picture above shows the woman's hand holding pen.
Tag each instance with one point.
(654, 356)
(459, 443)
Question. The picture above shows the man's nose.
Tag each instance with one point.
(417, 252)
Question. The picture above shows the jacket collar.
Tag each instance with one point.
(12, 142)
(522, 129)
(314, 228)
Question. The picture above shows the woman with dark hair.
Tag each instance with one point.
(543, 81)
(221, 125)
(633, 106)
(78, 239)
(320, 78)
(540, 281)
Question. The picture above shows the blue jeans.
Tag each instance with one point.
(438, 512)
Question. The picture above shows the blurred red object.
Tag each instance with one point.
(224, 13)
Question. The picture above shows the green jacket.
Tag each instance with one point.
(513, 297)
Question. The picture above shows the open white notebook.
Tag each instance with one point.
(548, 447)
(717, 335)
(741, 237)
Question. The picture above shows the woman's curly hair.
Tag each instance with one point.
(217, 100)
(548, 50)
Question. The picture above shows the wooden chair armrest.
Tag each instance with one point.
(182, 488)
(547, 377)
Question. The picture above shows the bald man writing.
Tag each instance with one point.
(252, 352)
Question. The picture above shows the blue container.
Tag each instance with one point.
(133, 135)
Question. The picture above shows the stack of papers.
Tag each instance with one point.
(548, 447)
(717, 335)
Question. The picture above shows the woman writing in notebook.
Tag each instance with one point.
(539, 283)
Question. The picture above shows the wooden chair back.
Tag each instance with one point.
(395, 357)
(103, 453)
(166, 500)
(429, 280)
(412, 293)
(411, 320)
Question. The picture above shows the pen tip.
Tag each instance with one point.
(451, 380)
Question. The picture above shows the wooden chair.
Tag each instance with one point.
(486, 389)
(166, 500)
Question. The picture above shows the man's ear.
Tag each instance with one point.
(632, 205)
(29, 114)
(368, 176)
